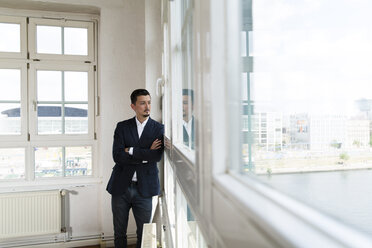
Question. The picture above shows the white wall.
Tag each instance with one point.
(129, 57)
(122, 69)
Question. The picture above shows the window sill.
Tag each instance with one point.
(47, 184)
(186, 152)
(280, 217)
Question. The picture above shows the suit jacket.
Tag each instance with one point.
(126, 135)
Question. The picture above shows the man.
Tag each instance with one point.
(188, 118)
(134, 180)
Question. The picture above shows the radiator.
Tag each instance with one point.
(30, 213)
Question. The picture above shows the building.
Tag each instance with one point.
(319, 132)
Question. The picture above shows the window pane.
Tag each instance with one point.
(309, 102)
(170, 196)
(49, 85)
(76, 86)
(48, 39)
(10, 84)
(49, 119)
(10, 118)
(76, 41)
(188, 232)
(48, 161)
(10, 37)
(78, 161)
(76, 118)
(188, 119)
(12, 163)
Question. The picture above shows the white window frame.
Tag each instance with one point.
(23, 101)
(33, 22)
(33, 144)
(29, 138)
(236, 210)
(176, 76)
(249, 202)
(33, 98)
(23, 23)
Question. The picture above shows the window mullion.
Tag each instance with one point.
(63, 161)
(63, 103)
(63, 40)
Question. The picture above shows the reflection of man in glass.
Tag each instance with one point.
(188, 117)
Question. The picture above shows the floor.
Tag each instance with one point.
(97, 246)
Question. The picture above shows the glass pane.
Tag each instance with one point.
(10, 119)
(188, 231)
(49, 85)
(48, 39)
(76, 41)
(49, 119)
(48, 161)
(12, 163)
(78, 161)
(10, 37)
(10, 84)
(309, 106)
(76, 86)
(170, 196)
(188, 120)
(76, 118)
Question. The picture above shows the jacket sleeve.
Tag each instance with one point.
(118, 153)
(146, 153)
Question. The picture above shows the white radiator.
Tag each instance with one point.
(30, 213)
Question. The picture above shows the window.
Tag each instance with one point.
(62, 95)
(306, 81)
(13, 42)
(188, 118)
(46, 104)
(169, 188)
(61, 39)
(182, 39)
(188, 232)
(241, 132)
(12, 100)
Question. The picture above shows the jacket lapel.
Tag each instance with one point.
(133, 130)
(147, 130)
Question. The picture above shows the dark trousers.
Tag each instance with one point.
(121, 204)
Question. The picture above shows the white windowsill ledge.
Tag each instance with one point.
(281, 216)
(47, 184)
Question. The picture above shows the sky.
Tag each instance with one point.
(311, 56)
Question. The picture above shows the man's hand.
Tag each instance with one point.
(156, 144)
(126, 149)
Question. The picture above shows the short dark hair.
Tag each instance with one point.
(138, 92)
(188, 92)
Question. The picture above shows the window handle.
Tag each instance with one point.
(159, 86)
(34, 104)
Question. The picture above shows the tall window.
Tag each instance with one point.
(306, 103)
(188, 118)
(46, 98)
(182, 70)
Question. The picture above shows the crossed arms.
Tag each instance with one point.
(151, 154)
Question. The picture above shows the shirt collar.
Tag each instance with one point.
(188, 123)
(143, 123)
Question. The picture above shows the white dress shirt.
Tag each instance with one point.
(188, 126)
(140, 127)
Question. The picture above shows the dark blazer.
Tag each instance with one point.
(126, 135)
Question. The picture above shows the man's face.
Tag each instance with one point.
(142, 107)
(186, 107)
